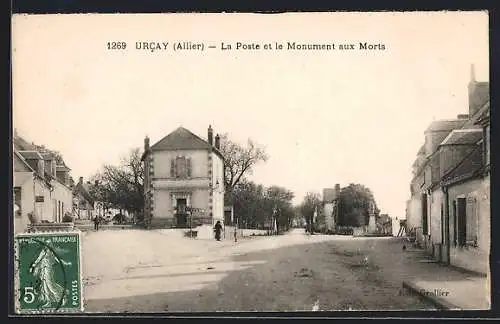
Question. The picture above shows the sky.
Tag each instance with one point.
(324, 117)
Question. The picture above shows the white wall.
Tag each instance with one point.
(435, 201)
(162, 204)
(218, 193)
(64, 195)
(24, 180)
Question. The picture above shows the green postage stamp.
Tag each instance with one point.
(48, 274)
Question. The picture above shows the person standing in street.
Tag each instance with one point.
(217, 230)
(96, 223)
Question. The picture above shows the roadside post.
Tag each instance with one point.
(48, 270)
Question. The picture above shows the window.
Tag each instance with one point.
(461, 221)
(455, 233)
(471, 233)
(425, 220)
(180, 167)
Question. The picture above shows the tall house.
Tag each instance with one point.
(184, 180)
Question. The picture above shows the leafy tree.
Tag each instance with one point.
(281, 206)
(255, 206)
(239, 161)
(355, 202)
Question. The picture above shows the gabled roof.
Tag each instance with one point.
(22, 145)
(445, 125)
(183, 139)
(463, 137)
(180, 139)
(469, 167)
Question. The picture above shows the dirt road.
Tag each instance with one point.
(141, 271)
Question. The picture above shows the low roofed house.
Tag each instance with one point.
(83, 202)
(37, 188)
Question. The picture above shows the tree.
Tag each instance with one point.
(256, 206)
(121, 186)
(282, 209)
(312, 201)
(239, 161)
(355, 201)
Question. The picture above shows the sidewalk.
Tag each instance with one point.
(467, 294)
(446, 287)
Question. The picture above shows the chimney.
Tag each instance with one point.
(80, 181)
(217, 141)
(473, 104)
(210, 135)
(472, 74)
(337, 191)
(146, 144)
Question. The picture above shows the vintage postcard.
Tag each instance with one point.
(199, 162)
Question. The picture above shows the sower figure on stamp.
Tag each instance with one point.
(217, 230)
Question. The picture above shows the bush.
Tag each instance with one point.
(67, 218)
(32, 218)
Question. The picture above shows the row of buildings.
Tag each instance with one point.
(449, 208)
(43, 188)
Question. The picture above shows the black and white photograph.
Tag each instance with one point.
(238, 162)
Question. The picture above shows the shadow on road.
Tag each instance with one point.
(339, 275)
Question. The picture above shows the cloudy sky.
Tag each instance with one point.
(325, 117)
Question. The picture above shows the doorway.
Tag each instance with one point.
(181, 214)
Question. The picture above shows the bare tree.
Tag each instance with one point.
(122, 186)
(239, 160)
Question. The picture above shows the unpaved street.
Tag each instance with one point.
(157, 271)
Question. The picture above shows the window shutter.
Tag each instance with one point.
(172, 168)
(188, 162)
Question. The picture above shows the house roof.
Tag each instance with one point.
(182, 139)
(483, 114)
(31, 155)
(469, 167)
(83, 189)
(21, 158)
(22, 145)
(445, 125)
(463, 137)
(62, 167)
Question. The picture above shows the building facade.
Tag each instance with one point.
(184, 181)
(38, 190)
(449, 205)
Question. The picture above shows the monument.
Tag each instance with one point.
(372, 226)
